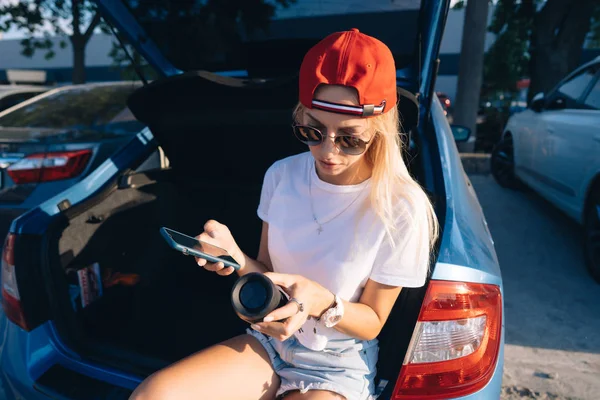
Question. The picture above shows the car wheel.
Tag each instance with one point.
(591, 244)
(503, 164)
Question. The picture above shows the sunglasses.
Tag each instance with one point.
(348, 144)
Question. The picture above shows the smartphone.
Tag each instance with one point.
(191, 246)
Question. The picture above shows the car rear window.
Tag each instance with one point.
(196, 35)
(102, 107)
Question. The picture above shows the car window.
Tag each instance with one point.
(593, 98)
(13, 99)
(575, 86)
(102, 107)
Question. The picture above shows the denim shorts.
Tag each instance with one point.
(346, 367)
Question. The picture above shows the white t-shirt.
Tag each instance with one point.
(352, 247)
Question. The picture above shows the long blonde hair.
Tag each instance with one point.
(391, 183)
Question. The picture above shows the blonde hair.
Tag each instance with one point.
(391, 184)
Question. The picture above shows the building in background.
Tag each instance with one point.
(99, 66)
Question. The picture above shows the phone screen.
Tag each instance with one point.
(194, 243)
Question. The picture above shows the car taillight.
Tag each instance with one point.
(454, 348)
(44, 167)
(11, 301)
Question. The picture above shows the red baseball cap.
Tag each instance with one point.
(353, 59)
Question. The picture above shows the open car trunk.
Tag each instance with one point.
(157, 305)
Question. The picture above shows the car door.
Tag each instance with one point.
(523, 127)
(563, 135)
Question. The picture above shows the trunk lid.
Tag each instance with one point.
(183, 36)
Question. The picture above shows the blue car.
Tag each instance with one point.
(94, 300)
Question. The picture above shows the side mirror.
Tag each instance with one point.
(558, 103)
(538, 102)
(460, 133)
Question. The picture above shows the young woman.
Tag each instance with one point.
(345, 227)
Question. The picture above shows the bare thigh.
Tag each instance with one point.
(238, 368)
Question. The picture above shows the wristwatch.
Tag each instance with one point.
(333, 314)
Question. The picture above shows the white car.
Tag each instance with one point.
(554, 148)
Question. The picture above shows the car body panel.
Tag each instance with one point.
(523, 127)
(467, 240)
(30, 354)
(436, 13)
(556, 150)
(567, 156)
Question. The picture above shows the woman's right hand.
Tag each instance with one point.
(219, 235)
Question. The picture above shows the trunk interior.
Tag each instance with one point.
(157, 305)
(156, 301)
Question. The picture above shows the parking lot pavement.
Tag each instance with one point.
(551, 304)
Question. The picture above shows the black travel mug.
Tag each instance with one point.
(254, 296)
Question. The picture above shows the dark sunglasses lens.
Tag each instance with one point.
(308, 135)
(351, 145)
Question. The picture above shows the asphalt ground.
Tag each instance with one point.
(551, 302)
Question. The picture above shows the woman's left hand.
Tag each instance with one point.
(283, 322)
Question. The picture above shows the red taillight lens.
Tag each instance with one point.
(455, 345)
(11, 300)
(46, 167)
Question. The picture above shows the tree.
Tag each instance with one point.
(507, 60)
(470, 72)
(559, 32)
(41, 19)
(542, 39)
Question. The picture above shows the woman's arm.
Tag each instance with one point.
(363, 320)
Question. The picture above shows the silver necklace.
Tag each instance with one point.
(312, 208)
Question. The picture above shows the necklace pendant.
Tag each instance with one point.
(319, 229)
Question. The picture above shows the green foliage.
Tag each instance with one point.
(507, 60)
(42, 19)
